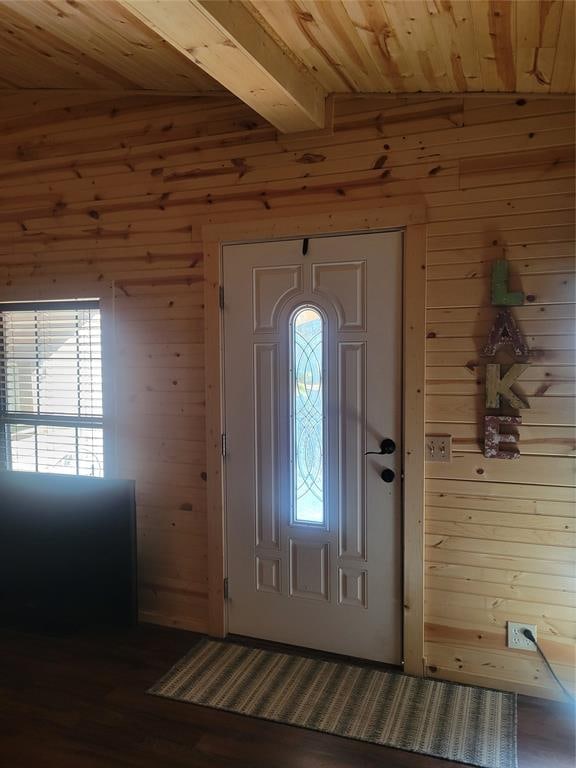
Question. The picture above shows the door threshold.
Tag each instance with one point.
(311, 653)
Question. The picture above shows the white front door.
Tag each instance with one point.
(312, 381)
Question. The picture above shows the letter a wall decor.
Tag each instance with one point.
(504, 332)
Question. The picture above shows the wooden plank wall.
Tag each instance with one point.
(96, 190)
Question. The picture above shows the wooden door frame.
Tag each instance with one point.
(409, 216)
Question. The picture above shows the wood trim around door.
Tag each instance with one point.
(411, 218)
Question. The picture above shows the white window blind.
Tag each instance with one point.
(51, 388)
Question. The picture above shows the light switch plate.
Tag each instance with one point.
(438, 447)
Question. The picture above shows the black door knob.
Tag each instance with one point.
(386, 446)
(387, 475)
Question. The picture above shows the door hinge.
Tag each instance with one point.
(223, 444)
(221, 296)
(226, 588)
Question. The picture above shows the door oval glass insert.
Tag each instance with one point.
(307, 417)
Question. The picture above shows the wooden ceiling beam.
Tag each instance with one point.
(225, 40)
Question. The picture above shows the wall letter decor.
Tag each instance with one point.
(493, 437)
(501, 296)
(497, 385)
(504, 332)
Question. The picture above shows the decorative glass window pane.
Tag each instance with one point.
(307, 416)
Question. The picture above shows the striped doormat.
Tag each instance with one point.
(456, 722)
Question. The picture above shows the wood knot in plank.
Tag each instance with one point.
(311, 157)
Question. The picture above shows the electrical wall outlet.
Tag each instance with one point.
(516, 638)
(438, 447)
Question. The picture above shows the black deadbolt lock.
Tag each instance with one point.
(386, 446)
(387, 475)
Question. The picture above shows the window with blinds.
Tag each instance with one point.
(51, 388)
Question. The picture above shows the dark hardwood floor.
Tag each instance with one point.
(80, 702)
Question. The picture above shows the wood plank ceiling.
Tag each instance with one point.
(88, 44)
(430, 45)
(347, 45)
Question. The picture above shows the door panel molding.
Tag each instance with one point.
(325, 282)
(352, 399)
(290, 278)
(265, 433)
(411, 217)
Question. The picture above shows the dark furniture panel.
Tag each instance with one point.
(67, 551)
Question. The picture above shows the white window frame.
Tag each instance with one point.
(23, 418)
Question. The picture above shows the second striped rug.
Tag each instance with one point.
(457, 722)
